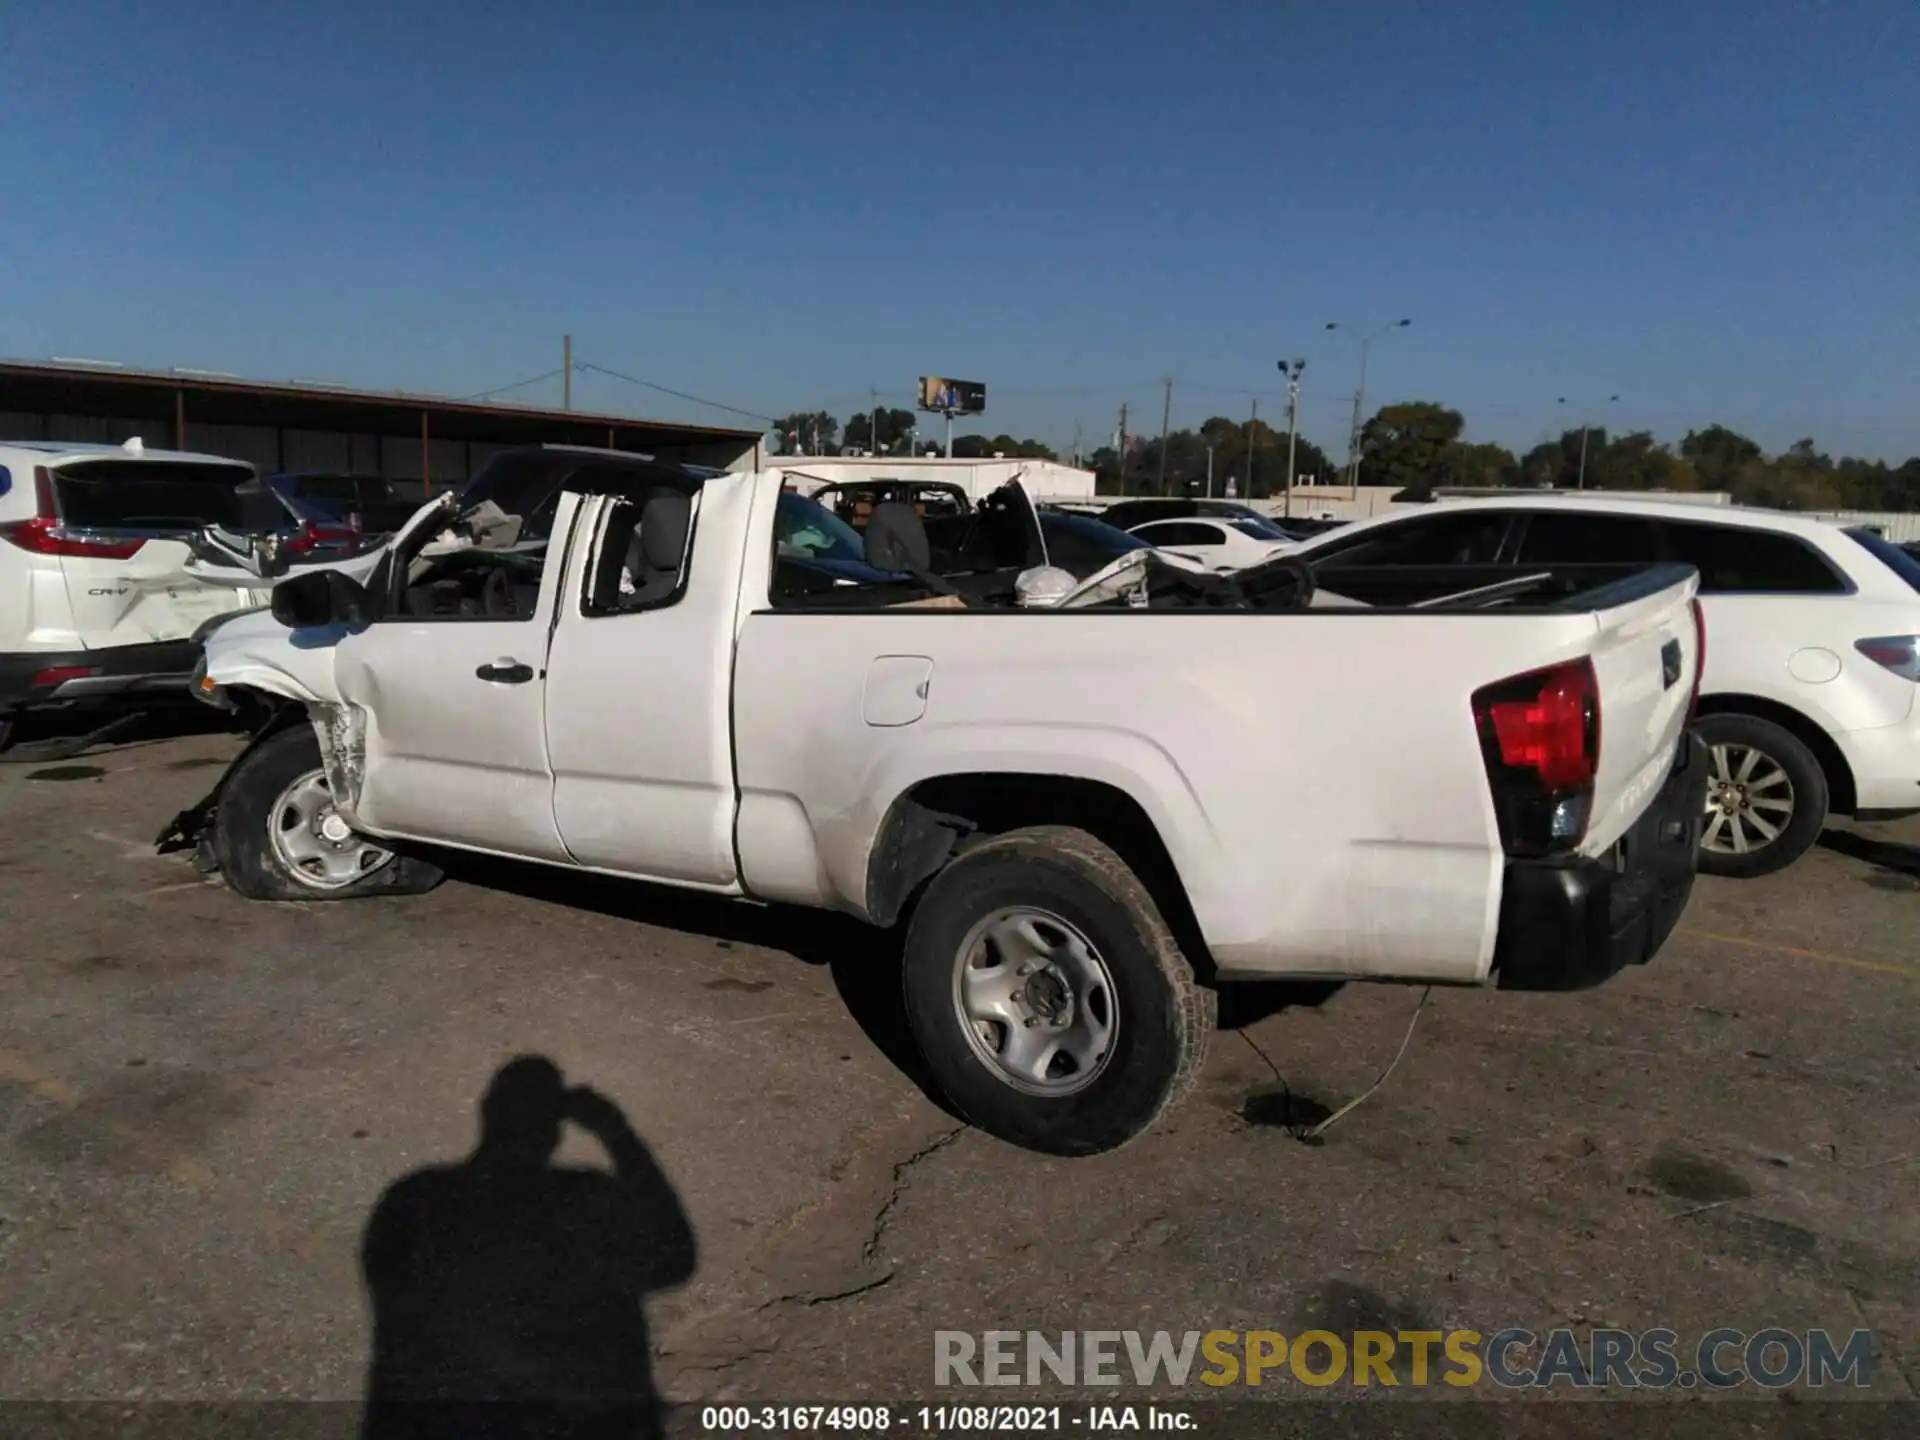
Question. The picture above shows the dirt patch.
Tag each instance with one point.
(1687, 1176)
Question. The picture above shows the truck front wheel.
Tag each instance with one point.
(277, 836)
(1049, 996)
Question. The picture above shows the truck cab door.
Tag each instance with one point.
(451, 681)
(639, 719)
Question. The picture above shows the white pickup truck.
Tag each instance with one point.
(1090, 801)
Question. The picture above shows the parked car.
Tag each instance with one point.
(1129, 514)
(1220, 544)
(1074, 814)
(369, 503)
(1306, 527)
(1809, 696)
(102, 582)
(316, 531)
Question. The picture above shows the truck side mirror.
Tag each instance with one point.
(322, 597)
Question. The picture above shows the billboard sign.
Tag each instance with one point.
(952, 397)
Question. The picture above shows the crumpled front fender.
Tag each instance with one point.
(255, 652)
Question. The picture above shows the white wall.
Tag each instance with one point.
(1044, 479)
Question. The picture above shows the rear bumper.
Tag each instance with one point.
(1570, 924)
(33, 678)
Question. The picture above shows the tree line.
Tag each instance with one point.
(815, 432)
(1420, 446)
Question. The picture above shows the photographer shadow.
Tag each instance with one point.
(509, 1292)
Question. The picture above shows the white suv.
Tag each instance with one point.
(1813, 646)
(101, 596)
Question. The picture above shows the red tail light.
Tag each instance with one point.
(59, 675)
(1898, 653)
(1552, 727)
(1540, 738)
(43, 534)
(313, 535)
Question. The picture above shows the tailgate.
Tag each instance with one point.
(1646, 657)
(151, 594)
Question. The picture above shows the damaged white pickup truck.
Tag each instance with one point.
(1090, 800)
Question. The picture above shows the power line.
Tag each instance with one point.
(584, 365)
(516, 385)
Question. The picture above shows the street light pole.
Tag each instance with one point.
(1360, 396)
(1292, 372)
(1209, 472)
(1585, 425)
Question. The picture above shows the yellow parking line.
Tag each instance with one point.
(1880, 966)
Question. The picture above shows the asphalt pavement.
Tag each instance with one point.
(203, 1102)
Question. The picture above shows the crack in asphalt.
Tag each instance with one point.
(871, 1249)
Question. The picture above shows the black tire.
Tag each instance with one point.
(1729, 739)
(1160, 1018)
(245, 812)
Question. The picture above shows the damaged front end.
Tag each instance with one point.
(341, 730)
(255, 669)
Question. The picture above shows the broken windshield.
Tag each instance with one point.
(806, 529)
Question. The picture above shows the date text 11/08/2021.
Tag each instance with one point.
(942, 1419)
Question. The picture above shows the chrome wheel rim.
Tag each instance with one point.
(314, 843)
(1750, 801)
(1036, 1001)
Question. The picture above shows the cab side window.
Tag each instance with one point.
(642, 560)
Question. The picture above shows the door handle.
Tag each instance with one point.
(506, 671)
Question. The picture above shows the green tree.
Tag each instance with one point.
(896, 426)
(980, 447)
(1719, 456)
(1477, 465)
(1405, 445)
(810, 432)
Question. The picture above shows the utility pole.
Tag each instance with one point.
(1209, 471)
(566, 372)
(1585, 425)
(873, 424)
(1166, 414)
(1253, 434)
(1360, 396)
(1077, 432)
(1292, 372)
(1123, 447)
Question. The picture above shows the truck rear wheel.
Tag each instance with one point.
(277, 837)
(1049, 996)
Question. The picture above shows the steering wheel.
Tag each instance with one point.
(496, 596)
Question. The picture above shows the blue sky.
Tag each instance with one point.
(1710, 207)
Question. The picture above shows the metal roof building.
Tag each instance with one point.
(427, 440)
